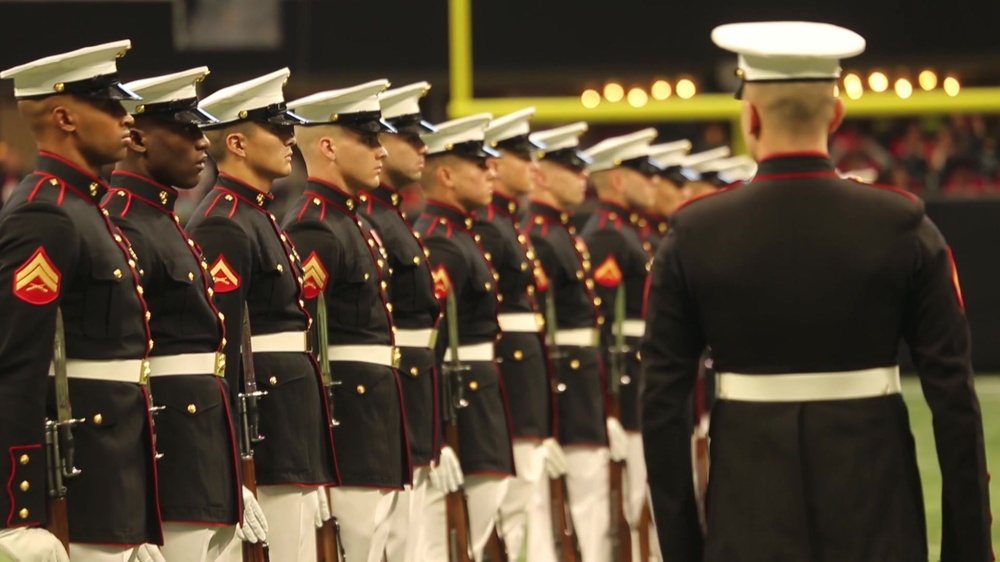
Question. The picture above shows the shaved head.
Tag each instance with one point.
(796, 107)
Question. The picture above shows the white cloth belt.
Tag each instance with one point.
(520, 322)
(633, 328)
(385, 355)
(293, 342)
(414, 338)
(188, 364)
(135, 371)
(809, 387)
(475, 352)
(577, 337)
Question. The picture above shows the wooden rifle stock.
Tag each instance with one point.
(252, 552)
(567, 545)
(496, 549)
(645, 524)
(327, 548)
(58, 519)
(457, 512)
(621, 535)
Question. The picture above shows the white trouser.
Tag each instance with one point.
(589, 491)
(484, 493)
(186, 542)
(407, 523)
(80, 552)
(364, 515)
(519, 511)
(637, 495)
(541, 536)
(291, 527)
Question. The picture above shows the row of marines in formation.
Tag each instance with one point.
(335, 346)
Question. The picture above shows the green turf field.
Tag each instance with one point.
(988, 387)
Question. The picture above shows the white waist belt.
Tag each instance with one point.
(414, 338)
(633, 328)
(809, 387)
(135, 371)
(577, 337)
(294, 342)
(519, 322)
(188, 364)
(385, 355)
(475, 352)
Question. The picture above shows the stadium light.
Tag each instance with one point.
(637, 97)
(613, 92)
(853, 86)
(590, 98)
(661, 90)
(903, 88)
(928, 80)
(952, 86)
(686, 89)
(878, 82)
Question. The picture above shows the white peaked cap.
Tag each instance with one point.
(450, 134)
(788, 50)
(866, 175)
(669, 154)
(403, 101)
(235, 103)
(165, 89)
(734, 169)
(327, 107)
(700, 160)
(58, 74)
(509, 126)
(610, 153)
(561, 138)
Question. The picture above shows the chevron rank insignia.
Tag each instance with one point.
(38, 280)
(314, 276)
(226, 280)
(541, 279)
(442, 282)
(608, 274)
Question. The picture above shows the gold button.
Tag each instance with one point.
(530, 254)
(499, 297)
(489, 286)
(151, 345)
(117, 273)
(477, 238)
(25, 459)
(302, 303)
(518, 355)
(223, 342)
(489, 256)
(380, 263)
(597, 301)
(192, 409)
(139, 289)
(524, 266)
(190, 276)
(579, 274)
(211, 292)
(531, 289)
(367, 276)
(574, 364)
(273, 381)
(361, 389)
(204, 265)
(521, 238)
(590, 283)
(371, 243)
(191, 242)
(117, 237)
(315, 200)
(600, 320)
(414, 371)
(283, 237)
(384, 285)
(473, 385)
(98, 419)
(229, 198)
(148, 315)
(131, 263)
(388, 306)
(23, 514)
(222, 317)
(416, 260)
(281, 268)
(25, 486)
(105, 212)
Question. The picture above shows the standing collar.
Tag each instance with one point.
(618, 211)
(387, 195)
(156, 195)
(505, 204)
(244, 191)
(334, 194)
(549, 212)
(82, 183)
(455, 215)
(795, 164)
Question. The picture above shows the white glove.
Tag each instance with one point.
(555, 459)
(146, 553)
(617, 440)
(254, 527)
(25, 544)
(447, 475)
(323, 511)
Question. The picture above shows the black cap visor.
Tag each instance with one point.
(411, 124)
(181, 111)
(571, 158)
(643, 165)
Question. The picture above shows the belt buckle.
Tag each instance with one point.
(144, 372)
(305, 342)
(539, 321)
(396, 357)
(220, 364)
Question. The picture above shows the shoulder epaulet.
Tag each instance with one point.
(313, 205)
(51, 181)
(123, 197)
(703, 196)
(441, 226)
(893, 189)
(226, 202)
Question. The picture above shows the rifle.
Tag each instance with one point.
(59, 442)
(329, 547)
(452, 400)
(699, 445)
(566, 543)
(250, 431)
(621, 535)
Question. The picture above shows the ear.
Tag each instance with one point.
(328, 148)
(541, 178)
(493, 164)
(838, 115)
(443, 174)
(753, 126)
(617, 181)
(236, 143)
(137, 140)
(64, 118)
